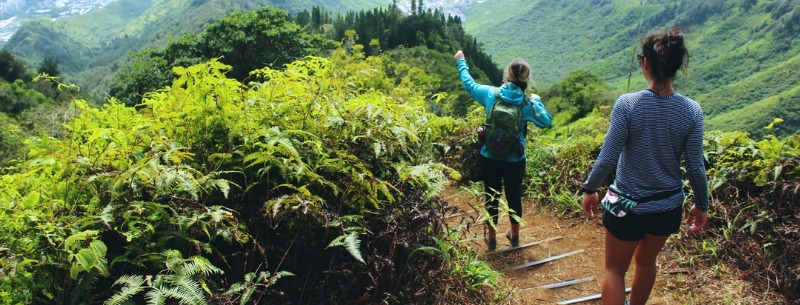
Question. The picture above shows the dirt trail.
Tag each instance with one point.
(576, 234)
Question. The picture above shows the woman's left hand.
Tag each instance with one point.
(459, 55)
(697, 220)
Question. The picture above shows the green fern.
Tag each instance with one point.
(352, 228)
(182, 281)
(430, 177)
(351, 243)
(252, 282)
(82, 287)
(131, 285)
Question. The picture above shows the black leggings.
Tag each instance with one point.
(501, 174)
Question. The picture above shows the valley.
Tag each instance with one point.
(14, 12)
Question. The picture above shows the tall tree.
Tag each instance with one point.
(246, 41)
(50, 66)
(12, 68)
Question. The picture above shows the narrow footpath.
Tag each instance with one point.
(574, 245)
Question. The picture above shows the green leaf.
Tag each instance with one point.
(98, 247)
(87, 259)
(353, 244)
(246, 295)
(377, 148)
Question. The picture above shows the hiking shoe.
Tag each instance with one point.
(627, 302)
(513, 239)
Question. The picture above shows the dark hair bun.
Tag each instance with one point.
(666, 52)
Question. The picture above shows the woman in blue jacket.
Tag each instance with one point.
(505, 172)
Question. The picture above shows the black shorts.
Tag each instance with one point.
(633, 227)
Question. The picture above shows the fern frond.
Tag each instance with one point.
(131, 285)
(184, 287)
(155, 297)
(183, 296)
(83, 285)
(198, 265)
(429, 176)
(223, 185)
(351, 243)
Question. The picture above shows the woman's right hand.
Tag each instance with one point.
(459, 55)
(590, 203)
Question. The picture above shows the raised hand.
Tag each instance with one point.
(459, 55)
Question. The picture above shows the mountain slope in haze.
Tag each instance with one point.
(90, 48)
(743, 53)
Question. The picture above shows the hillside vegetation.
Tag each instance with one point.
(91, 48)
(317, 181)
(742, 53)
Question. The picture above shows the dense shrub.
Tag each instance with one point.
(255, 185)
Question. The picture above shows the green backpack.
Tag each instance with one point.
(502, 130)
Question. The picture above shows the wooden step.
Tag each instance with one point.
(523, 246)
(544, 260)
(584, 299)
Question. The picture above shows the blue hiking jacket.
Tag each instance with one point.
(533, 110)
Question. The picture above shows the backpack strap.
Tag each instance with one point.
(497, 98)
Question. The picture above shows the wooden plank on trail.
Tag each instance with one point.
(544, 260)
(584, 299)
(522, 246)
(460, 213)
(565, 283)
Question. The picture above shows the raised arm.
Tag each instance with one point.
(477, 91)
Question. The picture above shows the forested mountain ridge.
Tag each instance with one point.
(91, 47)
(743, 54)
(743, 65)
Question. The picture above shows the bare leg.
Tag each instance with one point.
(618, 258)
(644, 276)
(491, 231)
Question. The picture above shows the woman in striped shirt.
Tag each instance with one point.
(651, 131)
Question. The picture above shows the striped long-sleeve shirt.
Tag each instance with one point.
(647, 137)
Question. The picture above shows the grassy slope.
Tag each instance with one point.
(784, 105)
(556, 37)
(735, 60)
